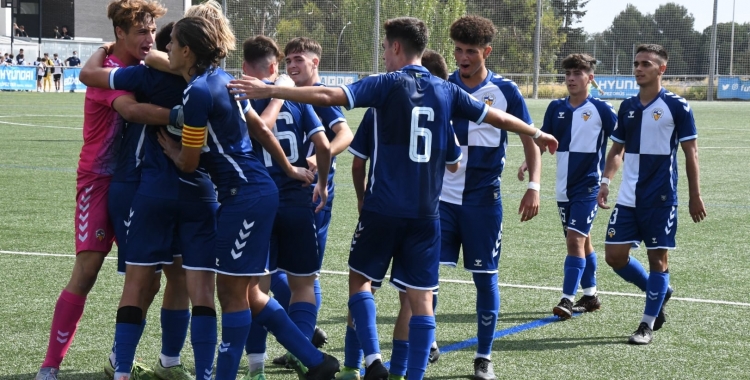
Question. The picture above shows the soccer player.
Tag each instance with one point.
(650, 125)
(248, 197)
(133, 21)
(408, 162)
(294, 247)
(302, 56)
(471, 211)
(582, 124)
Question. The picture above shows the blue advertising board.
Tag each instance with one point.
(70, 80)
(615, 87)
(337, 79)
(18, 78)
(733, 88)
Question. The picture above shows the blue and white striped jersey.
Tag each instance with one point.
(477, 181)
(582, 133)
(651, 135)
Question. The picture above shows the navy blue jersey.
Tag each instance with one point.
(329, 116)
(129, 153)
(651, 135)
(295, 125)
(477, 181)
(412, 137)
(582, 132)
(159, 176)
(227, 153)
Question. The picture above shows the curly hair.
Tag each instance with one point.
(583, 62)
(211, 11)
(473, 30)
(653, 48)
(435, 63)
(200, 36)
(258, 48)
(303, 45)
(126, 13)
(411, 32)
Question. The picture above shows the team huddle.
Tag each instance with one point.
(226, 186)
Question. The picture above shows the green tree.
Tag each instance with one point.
(571, 12)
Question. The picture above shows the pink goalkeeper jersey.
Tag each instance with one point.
(102, 126)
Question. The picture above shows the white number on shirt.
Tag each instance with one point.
(285, 135)
(417, 132)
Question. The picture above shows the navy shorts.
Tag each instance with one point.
(243, 235)
(119, 202)
(294, 242)
(479, 229)
(655, 226)
(413, 244)
(322, 221)
(161, 229)
(577, 216)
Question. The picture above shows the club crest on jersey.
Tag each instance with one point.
(586, 115)
(657, 114)
(489, 99)
(100, 234)
(611, 232)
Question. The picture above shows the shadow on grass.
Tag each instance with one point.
(560, 343)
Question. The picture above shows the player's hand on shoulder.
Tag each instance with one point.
(246, 88)
(284, 80)
(697, 209)
(522, 170)
(529, 207)
(601, 198)
(546, 142)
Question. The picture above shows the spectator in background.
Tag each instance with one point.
(73, 60)
(57, 34)
(65, 34)
(39, 73)
(9, 60)
(48, 67)
(20, 31)
(57, 69)
(20, 60)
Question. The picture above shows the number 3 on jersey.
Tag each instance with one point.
(418, 132)
(293, 154)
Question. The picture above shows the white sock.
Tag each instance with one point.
(169, 361)
(649, 320)
(255, 361)
(434, 344)
(568, 296)
(478, 355)
(120, 375)
(371, 358)
(589, 291)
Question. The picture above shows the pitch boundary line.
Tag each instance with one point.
(452, 281)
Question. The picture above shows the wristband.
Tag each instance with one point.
(537, 134)
(605, 181)
(534, 186)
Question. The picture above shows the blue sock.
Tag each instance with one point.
(573, 270)
(277, 322)
(318, 295)
(128, 331)
(352, 351)
(399, 357)
(234, 329)
(280, 289)
(658, 282)
(304, 315)
(203, 336)
(634, 273)
(588, 280)
(174, 326)
(488, 306)
(256, 339)
(362, 308)
(421, 336)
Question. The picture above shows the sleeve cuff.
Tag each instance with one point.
(360, 155)
(112, 78)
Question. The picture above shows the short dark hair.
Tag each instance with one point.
(303, 45)
(583, 62)
(410, 32)
(200, 36)
(260, 47)
(473, 30)
(163, 37)
(435, 63)
(653, 48)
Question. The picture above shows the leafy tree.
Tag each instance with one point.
(571, 12)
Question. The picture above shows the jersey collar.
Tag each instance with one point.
(658, 96)
(472, 90)
(567, 102)
(415, 68)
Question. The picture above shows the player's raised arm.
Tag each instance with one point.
(160, 61)
(253, 88)
(92, 73)
(696, 206)
(510, 123)
(614, 160)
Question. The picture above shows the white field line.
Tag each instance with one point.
(38, 126)
(339, 273)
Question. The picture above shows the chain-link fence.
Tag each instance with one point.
(350, 32)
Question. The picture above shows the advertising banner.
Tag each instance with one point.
(18, 78)
(734, 88)
(70, 80)
(615, 87)
(337, 79)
